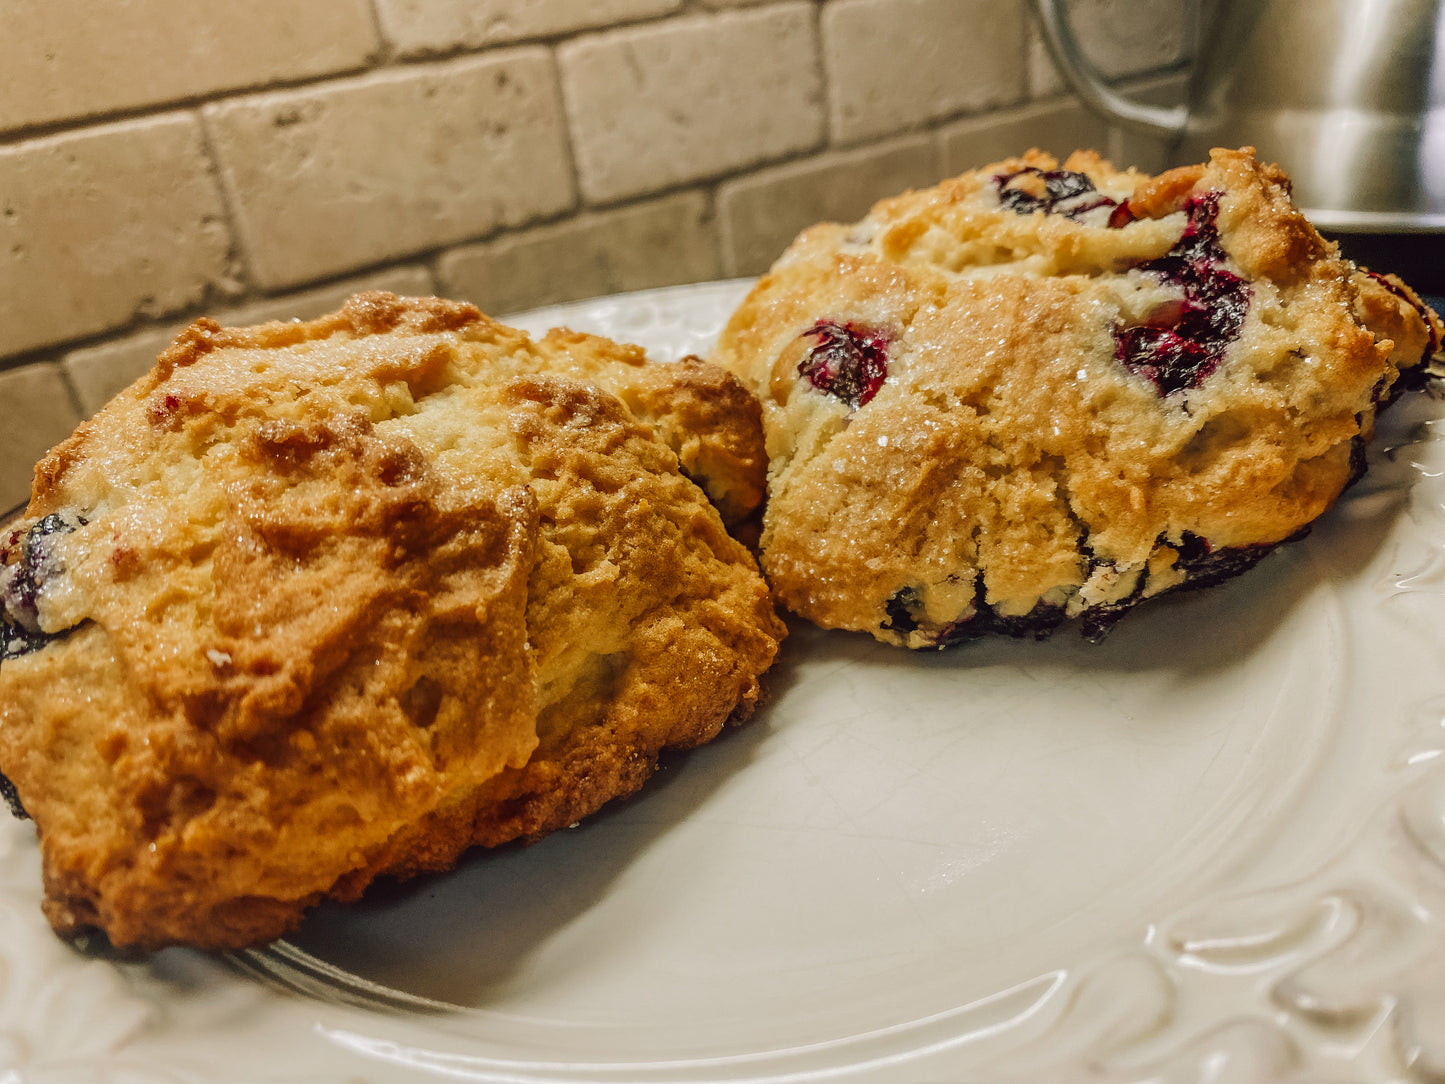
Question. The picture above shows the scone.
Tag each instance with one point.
(1035, 393)
(316, 602)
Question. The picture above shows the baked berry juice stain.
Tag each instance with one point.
(1064, 192)
(847, 361)
(1185, 343)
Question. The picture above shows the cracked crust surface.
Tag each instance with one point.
(1011, 471)
(318, 602)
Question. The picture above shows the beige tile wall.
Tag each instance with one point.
(162, 159)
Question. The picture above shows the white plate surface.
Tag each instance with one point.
(1211, 848)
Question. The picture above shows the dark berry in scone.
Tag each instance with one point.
(1037, 392)
(313, 603)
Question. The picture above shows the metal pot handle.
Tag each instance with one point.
(1089, 85)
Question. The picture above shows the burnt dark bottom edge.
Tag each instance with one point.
(1202, 566)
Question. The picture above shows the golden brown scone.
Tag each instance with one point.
(316, 602)
(1036, 392)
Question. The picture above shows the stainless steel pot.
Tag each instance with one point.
(1347, 95)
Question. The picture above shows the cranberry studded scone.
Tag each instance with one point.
(1035, 393)
(317, 602)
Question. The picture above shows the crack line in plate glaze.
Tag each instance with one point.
(1327, 972)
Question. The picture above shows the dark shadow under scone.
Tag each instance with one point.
(1035, 393)
(316, 602)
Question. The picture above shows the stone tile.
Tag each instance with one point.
(666, 103)
(343, 175)
(418, 27)
(1120, 37)
(1059, 127)
(898, 64)
(98, 373)
(760, 214)
(104, 225)
(67, 59)
(666, 242)
(37, 415)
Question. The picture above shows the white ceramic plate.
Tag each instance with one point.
(1210, 848)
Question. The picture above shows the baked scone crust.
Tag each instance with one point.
(989, 462)
(316, 602)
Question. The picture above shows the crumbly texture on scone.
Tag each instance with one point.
(1036, 392)
(317, 602)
